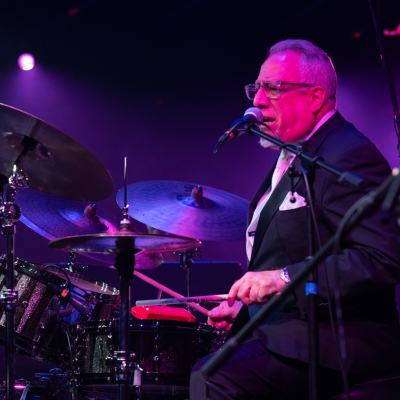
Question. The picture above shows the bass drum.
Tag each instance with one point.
(165, 350)
(38, 334)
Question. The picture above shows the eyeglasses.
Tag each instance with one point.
(271, 89)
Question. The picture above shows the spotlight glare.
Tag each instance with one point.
(26, 61)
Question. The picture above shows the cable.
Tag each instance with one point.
(339, 315)
(62, 270)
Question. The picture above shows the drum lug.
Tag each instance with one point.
(8, 296)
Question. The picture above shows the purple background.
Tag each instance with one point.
(159, 82)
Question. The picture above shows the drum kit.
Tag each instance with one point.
(50, 182)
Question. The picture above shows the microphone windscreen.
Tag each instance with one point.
(258, 115)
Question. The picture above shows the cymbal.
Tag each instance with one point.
(180, 208)
(58, 165)
(56, 218)
(122, 242)
(85, 283)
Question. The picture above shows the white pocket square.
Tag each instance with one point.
(288, 205)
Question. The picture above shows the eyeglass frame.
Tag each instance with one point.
(278, 83)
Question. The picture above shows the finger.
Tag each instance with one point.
(243, 292)
(253, 294)
(210, 322)
(233, 292)
(221, 325)
(218, 313)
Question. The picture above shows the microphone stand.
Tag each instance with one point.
(309, 163)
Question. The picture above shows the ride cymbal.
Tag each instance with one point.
(189, 210)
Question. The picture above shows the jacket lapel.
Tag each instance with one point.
(284, 186)
(272, 206)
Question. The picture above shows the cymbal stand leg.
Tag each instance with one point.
(125, 262)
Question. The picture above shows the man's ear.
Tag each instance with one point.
(317, 98)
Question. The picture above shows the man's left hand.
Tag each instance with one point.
(256, 287)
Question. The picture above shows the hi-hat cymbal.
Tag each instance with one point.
(183, 209)
(58, 165)
(122, 242)
(55, 218)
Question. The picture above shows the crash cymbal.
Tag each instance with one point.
(185, 209)
(121, 242)
(56, 218)
(58, 165)
(85, 283)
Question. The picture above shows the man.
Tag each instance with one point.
(296, 92)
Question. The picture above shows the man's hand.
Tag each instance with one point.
(256, 287)
(223, 316)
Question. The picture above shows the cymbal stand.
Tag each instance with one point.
(125, 263)
(186, 262)
(9, 216)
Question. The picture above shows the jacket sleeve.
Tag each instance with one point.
(366, 269)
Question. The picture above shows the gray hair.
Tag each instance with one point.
(315, 65)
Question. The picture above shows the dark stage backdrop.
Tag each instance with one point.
(162, 91)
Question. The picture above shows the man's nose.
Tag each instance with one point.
(260, 100)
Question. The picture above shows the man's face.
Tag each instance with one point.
(290, 115)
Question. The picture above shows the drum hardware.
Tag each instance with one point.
(186, 262)
(10, 214)
(54, 381)
(124, 245)
(73, 266)
(164, 350)
(48, 385)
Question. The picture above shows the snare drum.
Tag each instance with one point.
(38, 333)
(166, 350)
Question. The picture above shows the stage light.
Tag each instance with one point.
(73, 11)
(26, 61)
(357, 35)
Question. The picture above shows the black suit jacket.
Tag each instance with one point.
(367, 267)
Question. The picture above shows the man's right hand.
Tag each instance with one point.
(223, 316)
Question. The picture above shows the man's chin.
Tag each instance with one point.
(267, 144)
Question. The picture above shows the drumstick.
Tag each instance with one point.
(169, 291)
(180, 300)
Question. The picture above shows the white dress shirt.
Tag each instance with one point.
(283, 163)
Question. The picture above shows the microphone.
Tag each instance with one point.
(81, 305)
(252, 114)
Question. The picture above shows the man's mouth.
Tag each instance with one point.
(268, 120)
